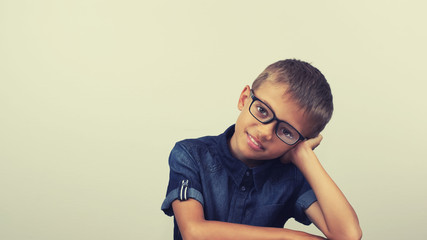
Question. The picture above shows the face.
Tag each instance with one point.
(254, 141)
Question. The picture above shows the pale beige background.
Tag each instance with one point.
(94, 94)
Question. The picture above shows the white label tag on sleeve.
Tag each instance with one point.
(183, 190)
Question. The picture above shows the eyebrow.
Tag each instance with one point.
(268, 105)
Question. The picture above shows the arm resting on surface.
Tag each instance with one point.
(192, 224)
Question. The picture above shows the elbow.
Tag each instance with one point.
(353, 234)
(192, 232)
(356, 235)
(190, 235)
(359, 234)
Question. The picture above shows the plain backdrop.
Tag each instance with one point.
(94, 94)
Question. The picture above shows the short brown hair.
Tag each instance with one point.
(307, 86)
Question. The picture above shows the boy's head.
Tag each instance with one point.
(306, 85)
(289, 101)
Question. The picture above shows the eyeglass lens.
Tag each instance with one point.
(264, 114)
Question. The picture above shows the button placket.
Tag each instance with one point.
(247, 181)
(242, 192)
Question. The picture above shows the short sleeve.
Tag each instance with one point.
(306, 197)
(184, 178)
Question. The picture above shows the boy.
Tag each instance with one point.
(247, 182)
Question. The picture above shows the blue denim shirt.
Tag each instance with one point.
(229, 191)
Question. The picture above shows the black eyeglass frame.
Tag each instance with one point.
(254, 98)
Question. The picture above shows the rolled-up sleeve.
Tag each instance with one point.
(184, 178)
(305, 198)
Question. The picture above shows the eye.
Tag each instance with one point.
(262, 112)
(286, 133)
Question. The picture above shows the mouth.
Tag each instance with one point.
(254, 143)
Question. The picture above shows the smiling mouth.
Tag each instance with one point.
(254, 144)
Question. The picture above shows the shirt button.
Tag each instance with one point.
(243, 188)
(248, 173)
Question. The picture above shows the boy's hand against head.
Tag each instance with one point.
(296, 154)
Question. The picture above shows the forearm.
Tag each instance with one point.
(340, 218)
(192, 224)
(223, 231)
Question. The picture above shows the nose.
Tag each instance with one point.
(266, 131)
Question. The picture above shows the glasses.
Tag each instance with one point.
(264, 114)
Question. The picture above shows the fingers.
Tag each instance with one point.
(310, 143)
(314, 142)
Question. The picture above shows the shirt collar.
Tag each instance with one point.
(236, 168)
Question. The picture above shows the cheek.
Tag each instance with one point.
(280, 148)
(244, 121)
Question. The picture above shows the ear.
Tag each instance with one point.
(244, 97)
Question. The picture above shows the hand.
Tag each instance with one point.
(306, 145)
(314, 142)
